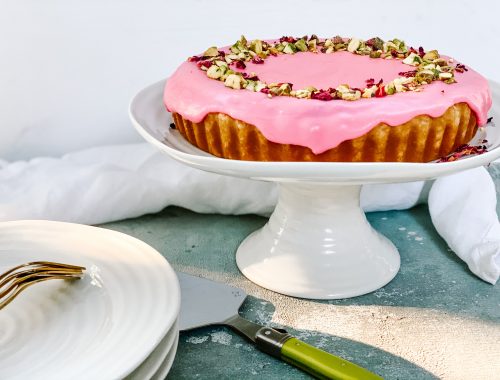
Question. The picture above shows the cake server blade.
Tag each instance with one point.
(205, 302)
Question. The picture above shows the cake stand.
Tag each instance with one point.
(317, 243)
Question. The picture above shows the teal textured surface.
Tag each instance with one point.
(431, 277)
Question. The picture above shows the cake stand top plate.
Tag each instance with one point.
(152, 121)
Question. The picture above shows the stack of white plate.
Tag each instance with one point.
(118, 321)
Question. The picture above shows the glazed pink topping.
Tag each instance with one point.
(314, 123)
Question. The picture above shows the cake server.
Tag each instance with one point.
(205, 302)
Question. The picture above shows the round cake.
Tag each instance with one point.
(334, 99)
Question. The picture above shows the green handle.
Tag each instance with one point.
(321, 364)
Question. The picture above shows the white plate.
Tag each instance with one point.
(150, 118)
(100, 327)
(155, 360)
(167, 363)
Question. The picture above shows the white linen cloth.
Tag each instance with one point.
(110, 183)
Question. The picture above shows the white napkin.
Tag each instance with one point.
(110, 183)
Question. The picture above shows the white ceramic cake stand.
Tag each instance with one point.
(317, 243)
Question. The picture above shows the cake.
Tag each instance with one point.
(334, 99)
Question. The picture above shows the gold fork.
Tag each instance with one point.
(15, 280)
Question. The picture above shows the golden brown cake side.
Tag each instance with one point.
(422, 139)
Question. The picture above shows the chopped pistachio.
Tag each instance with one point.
(338, 40)
(273, 50)
(311, 44)
(328, 42)
(343, 88)
(390, 88)
(256, 46)
(284, 89)
(351, 95)
(388, 46)
(235, 49)
(302, 94)
(398, 84)
(444, 76)
(301, 45)
(289, 48)
(431, 55)
(376, 43)
(214, 72)
(440, 62)
(413, 59)
(250, 85)
(211, 52)
(369, 92)
(424, 76)
(233, 81)
(354, 44)
(259, 86)
(399, 45)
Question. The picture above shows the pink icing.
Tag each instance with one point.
(320, 125)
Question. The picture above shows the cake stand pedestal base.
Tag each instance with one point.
(318, 244)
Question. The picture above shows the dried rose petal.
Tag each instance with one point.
(265, 90)
(380, 93)
(408, 74)
(288, 39)
(460, 68)
(250, 77)
(463, 151)
(322, 95)
(206, 64)
(195, 58)
(421, 51)
(257, 60)
(240, 65)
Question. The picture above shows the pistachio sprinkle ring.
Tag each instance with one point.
(427, 66)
